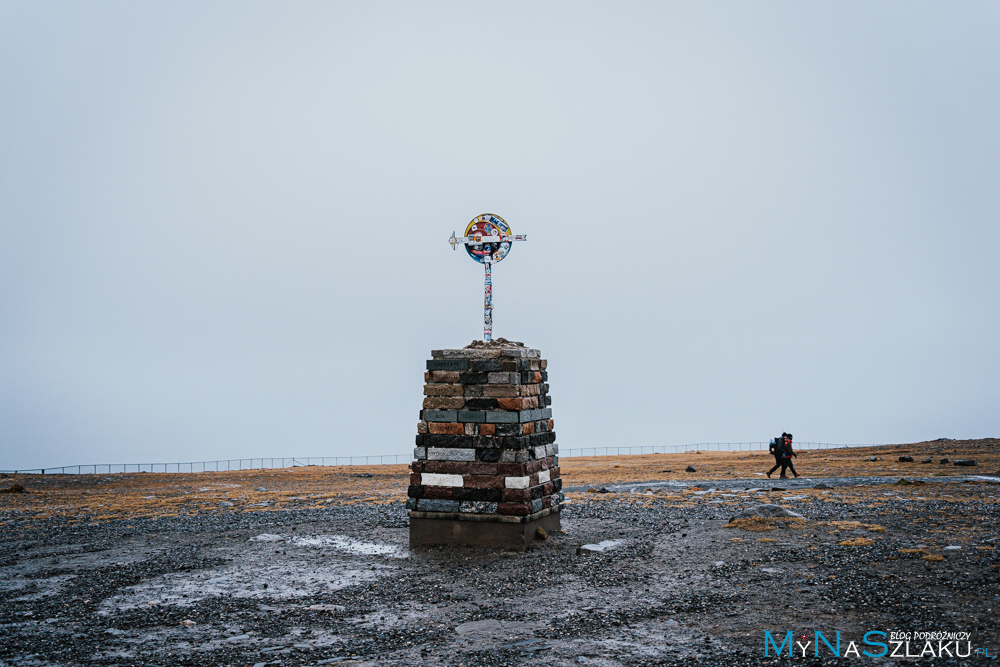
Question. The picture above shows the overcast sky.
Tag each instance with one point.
(223, 226)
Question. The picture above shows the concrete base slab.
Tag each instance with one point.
(516, 536)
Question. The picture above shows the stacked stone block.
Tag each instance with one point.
(485, 448)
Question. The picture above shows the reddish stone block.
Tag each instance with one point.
(415, 478)
(483, 481)
(427, 376)
(512, 469)
(438, 492)
(510, 403)
(536, 376)
(547, 489)
(499, 391)
(444, 377)
(554, 473)
(529, 403)
(528, 390)
(483, 469)
(527, 428)
(514, 509)
(444, 402)
(487, 429)
(546, 502)
(444, 390)
(446, 428)
(533, 480)
(516, 495)
(533, 466)
(447, 467)
(552, 425)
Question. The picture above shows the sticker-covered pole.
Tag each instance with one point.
(487, 239)
(488, 304)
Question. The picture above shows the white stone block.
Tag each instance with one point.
(543, 476)
(516, 482)
(437, 479)
(449, 454)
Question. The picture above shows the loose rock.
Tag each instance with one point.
(767, 510)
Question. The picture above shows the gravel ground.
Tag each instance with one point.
(339, 585)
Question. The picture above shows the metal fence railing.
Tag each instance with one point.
(634, 450)
(224, 465)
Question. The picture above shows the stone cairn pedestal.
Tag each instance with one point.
(486, 469)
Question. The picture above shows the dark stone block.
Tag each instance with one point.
(415, 491)
(510, 365)
(432, 505)
(447, 364)
(557, 484)
(537, 492)
(545, 376)
(515, 442)
(467, 417)
(536, 505)
(473, 378)
(461, 441)
(440, 415)
(502, 417)
(481, 403)
(488, 455)
(488, 495)
(540, 439)
(485, 365)
(420, 439)
(508, 429)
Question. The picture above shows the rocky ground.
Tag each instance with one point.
(161, 571)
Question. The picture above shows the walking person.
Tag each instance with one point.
(786, 459)
(776, 450)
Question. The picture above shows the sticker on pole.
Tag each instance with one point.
(488, 238)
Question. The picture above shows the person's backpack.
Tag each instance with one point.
(780, 450)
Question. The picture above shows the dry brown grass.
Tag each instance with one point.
(856, 525)
(857, 542)
(934, 558)
(100, 497)
(846, 462)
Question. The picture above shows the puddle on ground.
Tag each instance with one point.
(341, 543)
(285, 580)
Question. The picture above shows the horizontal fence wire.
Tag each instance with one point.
(226, 465)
